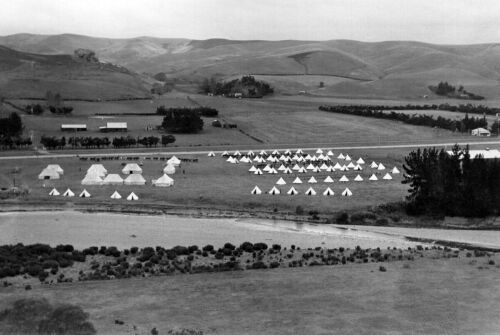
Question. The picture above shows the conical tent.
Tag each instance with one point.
(310, 167)
(319, 151)
(258, 171)
(54, 192)
(312, 180)
(237, 153)
(344, 178)
(68, 193)
(288, 171)
(316, 169)
(351, 165)
(135, 179)
(252, 169)
(131, 168)
(251, 153)
(360, 161)
(310, 191)
(231, 160)
(163, 181)
(263, 153)
(358, 168)
(174, 161)
(288, 152)
(346, 193)
(302, 170)
(395, 170)
(337, 166)
(374, 165)
(328, 192)
(297, 181)
(329, 153)
(169, 169)
(358, 178)
(292, 191)
(132, 197)
(282, 168)
(323, 166)
(245, 159)
(211, 154)
(373, 177)
(256, 190)
(281, 181)
(299, 151)
(275, 152)
(344, 168)
(225, 153)
(347, 158)
(84, 194)
(113, 179)
(266, 168)
(308, 157)
(328, 179)
(387, 177)
(274, 191)
(381, 167)
(116, 195)
(340, 156)
(272, 171)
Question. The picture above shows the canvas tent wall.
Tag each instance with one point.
(56, 167)
(135, 179)
(92, 179)
(169, 169)
(132, 168)
(97, 169)
(132, 197)
(113, 179)
(48, 174)
(163, 181)
(174, 161)
(116, 195)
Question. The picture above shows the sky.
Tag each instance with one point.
(433, 21)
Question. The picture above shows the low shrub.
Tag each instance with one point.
(208, 248)
(382, 269)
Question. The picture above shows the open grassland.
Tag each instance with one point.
(426, 296)
(212, 182)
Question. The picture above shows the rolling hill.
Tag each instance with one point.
(29, 75)
(395, 69)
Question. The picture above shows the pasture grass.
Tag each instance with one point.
(426, 296)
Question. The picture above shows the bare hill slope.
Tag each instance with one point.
(385, 69)
(29, 75)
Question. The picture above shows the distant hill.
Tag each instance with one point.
(30, 75)
(349, 68)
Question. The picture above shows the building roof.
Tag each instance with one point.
(73, 126)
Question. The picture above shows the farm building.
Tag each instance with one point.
(480, 132)
(486, 154)
(114, 126)
(73, 127)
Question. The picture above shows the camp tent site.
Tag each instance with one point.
(132, 197)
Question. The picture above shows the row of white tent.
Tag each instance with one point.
(276, 152)
(310, 191)
(311, 168)
(329, 179)
(132, 179)
(131, 168)
(295, 158)
(86, 194)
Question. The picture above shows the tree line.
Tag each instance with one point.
(11, 129)
(462, 108)
(201, 110)
(464, 125)
(37, 109)
(247, 86)
(52, 142)
(453, 185)
(181, 120)
(447, 90)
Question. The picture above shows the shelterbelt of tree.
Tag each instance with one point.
(464, 125)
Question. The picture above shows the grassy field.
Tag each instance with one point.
(445, 296)
(214, 182)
